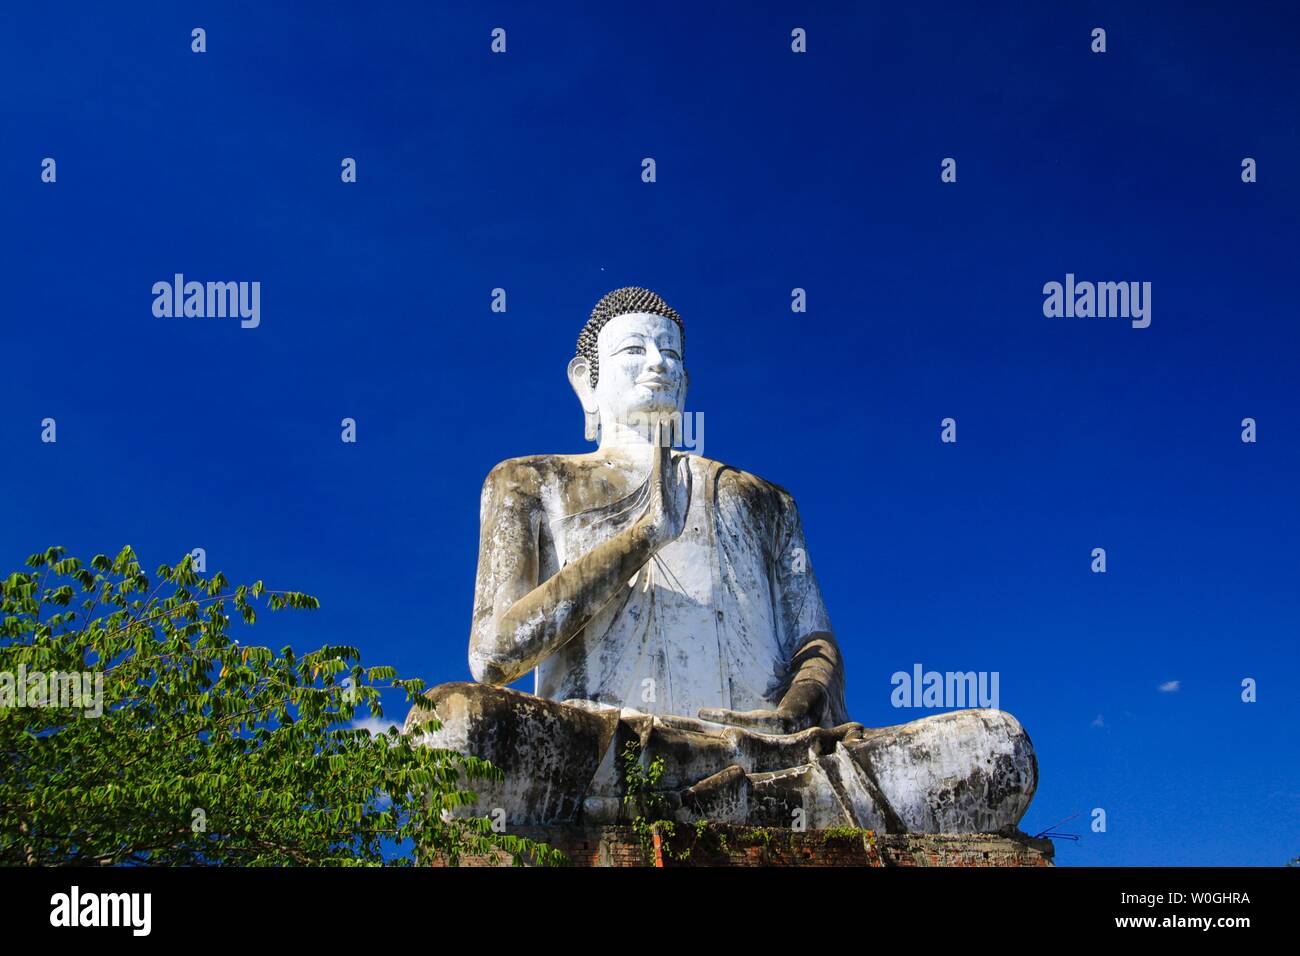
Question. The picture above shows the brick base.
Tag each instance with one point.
(723, 845)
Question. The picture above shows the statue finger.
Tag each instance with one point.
(721, 715)
(656, 457)
(762, 720)
(849, 731)
(663, 450)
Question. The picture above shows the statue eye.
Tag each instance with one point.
(634, 349)
(671, 354)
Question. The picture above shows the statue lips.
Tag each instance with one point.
(657, 382)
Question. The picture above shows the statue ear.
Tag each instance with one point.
(580, 379)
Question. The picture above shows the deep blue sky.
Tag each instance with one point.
(775, 170)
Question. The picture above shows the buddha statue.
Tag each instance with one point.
(668, 601)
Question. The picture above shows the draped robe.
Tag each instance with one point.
(713, 619)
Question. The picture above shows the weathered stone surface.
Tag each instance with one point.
(968, 771)
(550, 751)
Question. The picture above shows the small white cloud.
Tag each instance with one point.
(1099, 722)
(1169, 686)
(376, 725)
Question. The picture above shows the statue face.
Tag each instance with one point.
(641, 371)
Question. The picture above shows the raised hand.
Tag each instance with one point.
(670, 489)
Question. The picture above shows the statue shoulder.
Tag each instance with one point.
(750, 482)
(531, 475)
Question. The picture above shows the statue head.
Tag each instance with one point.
(630, 367)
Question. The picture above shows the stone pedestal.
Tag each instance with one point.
(722, 845)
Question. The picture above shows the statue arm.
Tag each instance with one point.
(518, 622)
(816, 667)
(817, 687)
(812, 693)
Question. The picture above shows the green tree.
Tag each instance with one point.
(206, 751)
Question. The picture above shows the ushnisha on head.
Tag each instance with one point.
(629, 371)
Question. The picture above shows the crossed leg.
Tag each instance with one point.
(965, 771)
